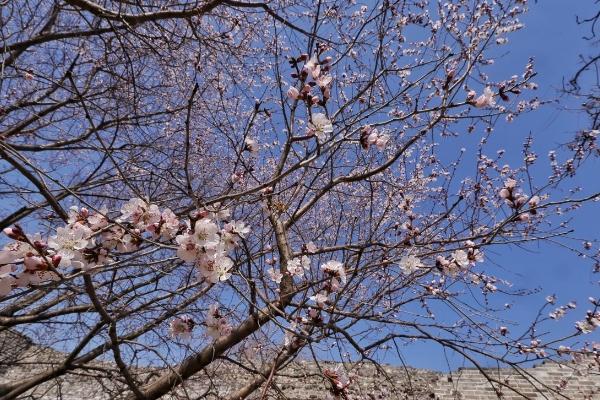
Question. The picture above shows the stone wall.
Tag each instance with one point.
(20, 359)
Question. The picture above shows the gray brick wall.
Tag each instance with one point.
(303, 380)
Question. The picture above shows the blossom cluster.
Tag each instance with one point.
(534, 347)
(516, 200)
(86, 241)
(486, 99)
(316, 69)
(336, 273)
(371, 136)
(313, 74)
(295, 268)
(216, 325)
(181, 327)
(339, 382)
(206, 244)
(459, 260)
(590, 323)
(89, 239)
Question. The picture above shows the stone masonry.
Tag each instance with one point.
(20, 358)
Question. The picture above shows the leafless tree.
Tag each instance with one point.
(228, 184)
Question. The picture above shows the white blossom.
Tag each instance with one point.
(320, 126)
(336, 269)
(206, 233)
(486, 99)
(461, 258)
(69, 241)
(275, 275)
(215, 266)
(410, 264)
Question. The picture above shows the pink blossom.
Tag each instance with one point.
(216, 324)
(486, 99)
(293, 93)
(275, 275)
(69, 241)
(181, 327)
(320, 299)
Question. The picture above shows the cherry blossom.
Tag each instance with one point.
(293, 93)
(298, 265)
(167, 226)
(140, 213)
(311, 247)
(232, 233)
(486, 99)
(98, 221)
(15, 251)
(336, 270)
(311, 65)
(206, 233)
(589, 324)
(69, 241)
(410, 264)
(251, 145)
(181, 327)
(275, 275)
(461, 258)
(320, 126)
(215, 266)
(216, 324)
(324, 81)
(320, 299)
(370, 136)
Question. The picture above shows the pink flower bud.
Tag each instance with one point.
(39, 245)
(306, 88)
(56, 260)
(10, 233)
(293, 93)
(504, 193)
(534, 201)
(15, 233)
(524, 217)
(520, 201)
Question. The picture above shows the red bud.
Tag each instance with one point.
(56, 260)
